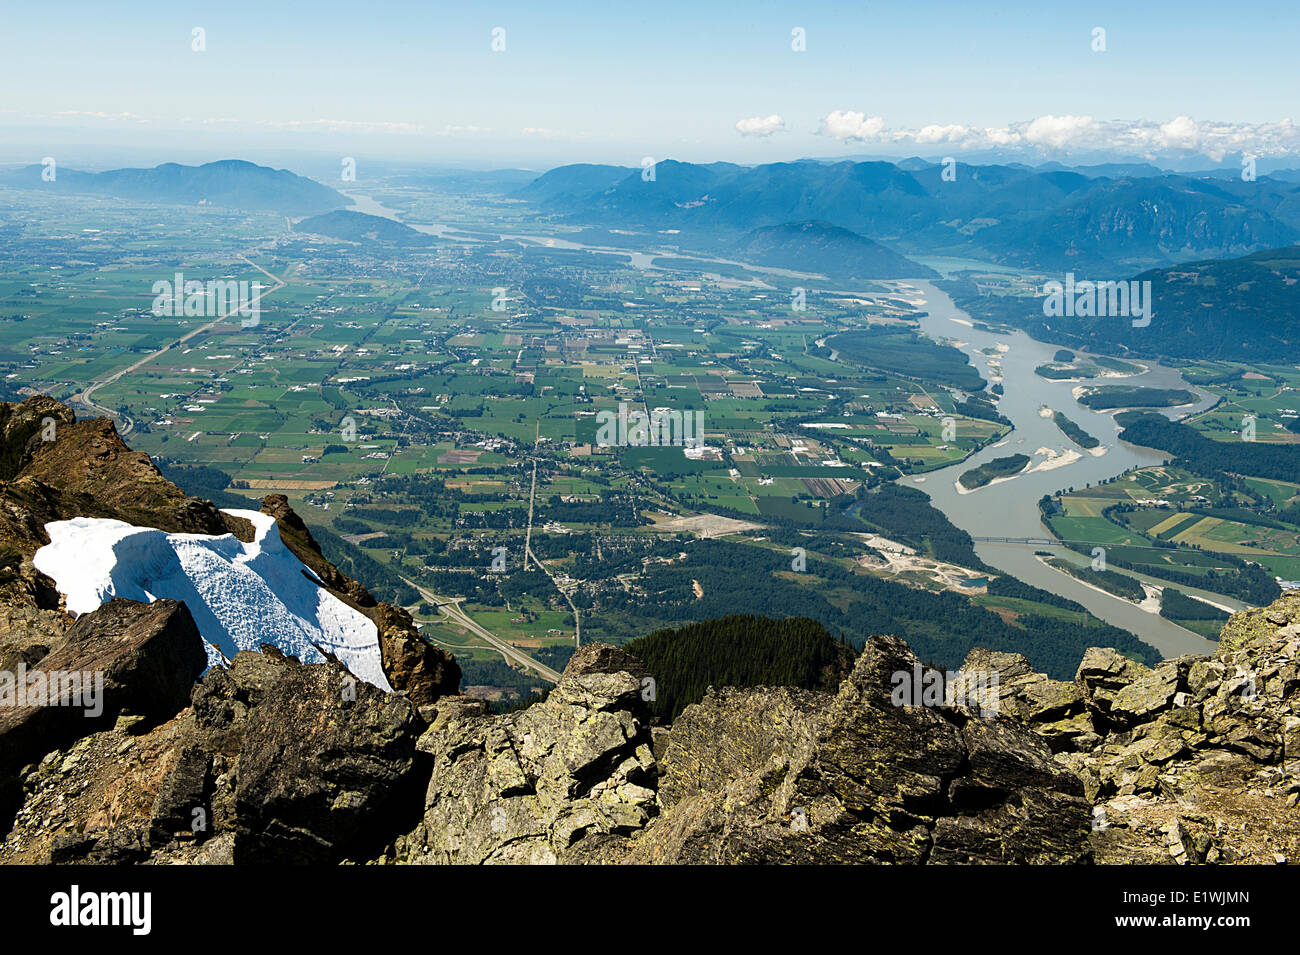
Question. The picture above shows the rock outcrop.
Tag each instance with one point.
(53, 467)
(852, 778)
(561, 781)
(1194, 760)
(273, 761)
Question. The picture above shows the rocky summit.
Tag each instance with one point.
(269, 759)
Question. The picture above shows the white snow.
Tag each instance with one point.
(241, 595)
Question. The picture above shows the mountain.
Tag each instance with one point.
(1148, 221)
(362, 227)
(1236, 309)
(826, 249)
(571, 182)
(227, 183)
(1246, 309)
(1109, 218)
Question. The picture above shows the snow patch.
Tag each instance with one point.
(241, 595)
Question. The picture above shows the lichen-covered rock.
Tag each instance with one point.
(553, 783)
(1193, 739)
(862, 780)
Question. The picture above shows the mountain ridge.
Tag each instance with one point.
(227, 183)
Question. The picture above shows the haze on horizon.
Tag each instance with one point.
(511, 84)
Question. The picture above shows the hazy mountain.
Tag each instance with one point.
(1117, 217)
(229, 183)
(577, 180)
(1246, 308)
(1148, 221)
(361, 227)
(826, 249)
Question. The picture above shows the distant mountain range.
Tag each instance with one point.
(1118, 218)
(361, 227)
(825, 249)
(228, 183)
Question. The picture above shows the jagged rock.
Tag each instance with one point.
(24, 427)
(862, 780)
(147, 655)
(1103, 672)
(323, 766)
(761, 727)
(1058, 708)
(552, 783)
(413, 664)
(183, 806)
(1151, 693)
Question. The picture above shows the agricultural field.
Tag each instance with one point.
(456, 422)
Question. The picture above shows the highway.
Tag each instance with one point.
(87, 397)
(450, 608)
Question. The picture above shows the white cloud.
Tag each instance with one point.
(1058, 132)
(760, 125)
(942, 134)
(1061, 135)
(847, 124)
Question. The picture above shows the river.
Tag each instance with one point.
(1007, 508)
(1010, 508)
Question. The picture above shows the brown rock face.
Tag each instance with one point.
(125, 657)
(25, 427)
(426, 672)
(326, 765)
(274, 761)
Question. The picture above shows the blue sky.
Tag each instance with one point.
(613, 83)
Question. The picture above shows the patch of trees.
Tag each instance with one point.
(1106, 398)
(992, 470)
(1176, 605)
(905, 514)
(975, 407)
(1072, 431)
(739, 650)
(1276, 461)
